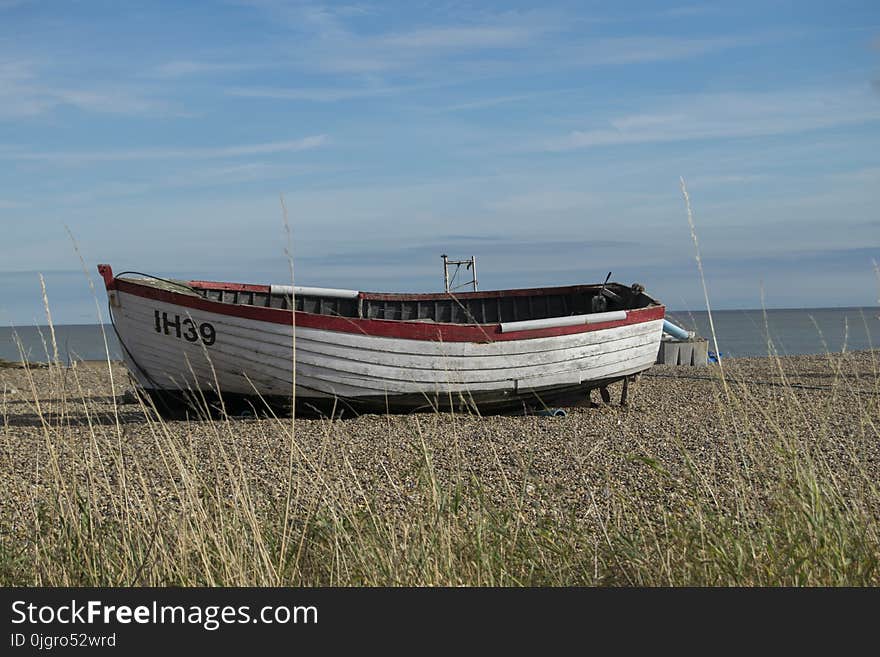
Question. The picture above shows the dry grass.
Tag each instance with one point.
(756, 484)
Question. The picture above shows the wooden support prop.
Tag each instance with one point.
(590, 402)
(625, 392)
(606, 396)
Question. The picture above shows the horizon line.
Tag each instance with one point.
(668, 310)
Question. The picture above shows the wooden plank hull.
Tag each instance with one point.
(166, 350)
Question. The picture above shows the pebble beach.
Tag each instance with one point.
(676, 418)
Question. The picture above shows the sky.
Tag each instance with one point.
(546, 139)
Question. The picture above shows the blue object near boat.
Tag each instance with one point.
(675, 331)
(553, 412)
(714, 358)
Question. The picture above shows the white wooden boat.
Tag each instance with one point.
(491, 349)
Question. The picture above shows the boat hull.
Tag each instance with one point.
(175, 348)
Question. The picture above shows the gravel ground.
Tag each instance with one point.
(562, 467)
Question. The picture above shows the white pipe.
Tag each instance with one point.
(299, 290)
(572, 320)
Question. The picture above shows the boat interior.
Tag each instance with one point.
(484, 307)
(488, 307)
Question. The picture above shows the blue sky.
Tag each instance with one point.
(547, 139)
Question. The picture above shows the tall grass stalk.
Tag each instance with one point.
(194, 509)
(699, 258)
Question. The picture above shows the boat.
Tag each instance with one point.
(325, 348)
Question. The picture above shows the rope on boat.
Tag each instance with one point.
(159, 278)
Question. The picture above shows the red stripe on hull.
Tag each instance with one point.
(380, 327)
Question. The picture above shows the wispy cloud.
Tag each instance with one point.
(345, 52)
(727, 115)
(540, 201)
(863, 175)
(327, 41)
(317, 94)
(324, 40)
(725, 179)
(126, 101)
(201, 177)
(23, 94)
(690, 10)
(538, 250)
(484, 103)
(630, 50)
(456, 37)
(79, 157)
(372, 87)
(17, 96)
(187, 67)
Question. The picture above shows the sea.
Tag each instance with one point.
(739, 333)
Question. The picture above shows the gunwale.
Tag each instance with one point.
(391, 328)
